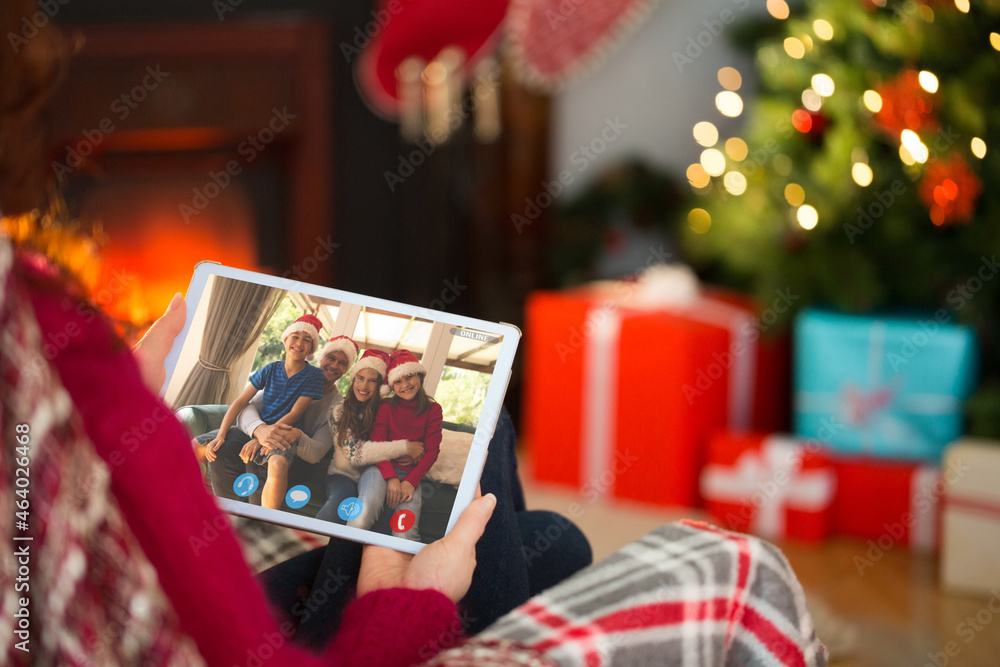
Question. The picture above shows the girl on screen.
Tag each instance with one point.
(410, 415)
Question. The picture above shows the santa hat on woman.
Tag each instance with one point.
(341, 344)
(378, 361)
(401, 364)
(309, 325)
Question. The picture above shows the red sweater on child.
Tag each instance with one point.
(397, 419)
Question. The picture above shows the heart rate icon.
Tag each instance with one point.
(403, 521)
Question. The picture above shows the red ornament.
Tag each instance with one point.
(949, 188)
(905, 106)
(809, 123)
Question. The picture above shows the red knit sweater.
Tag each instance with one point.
(397, 419)
(158, 485)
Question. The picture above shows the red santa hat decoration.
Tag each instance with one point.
(309, 325)
(341, 344)
(401, 364)
(376, 360)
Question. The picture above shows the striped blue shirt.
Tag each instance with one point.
(281, 391)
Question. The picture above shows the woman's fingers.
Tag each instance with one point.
(472, 522)
(151, 352)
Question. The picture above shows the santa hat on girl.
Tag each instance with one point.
(309, 325)
(378, 361)
(341, 344)
(401, 364)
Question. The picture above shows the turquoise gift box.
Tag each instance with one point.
(888, 386)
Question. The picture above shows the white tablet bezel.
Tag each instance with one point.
(484, 430)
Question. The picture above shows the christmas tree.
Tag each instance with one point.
(864, 176)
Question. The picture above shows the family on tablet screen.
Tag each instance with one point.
(381, 448)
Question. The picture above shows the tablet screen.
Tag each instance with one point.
(400, 405)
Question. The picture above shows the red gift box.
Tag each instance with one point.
(621, 400)
(771, 485)
(891, 502)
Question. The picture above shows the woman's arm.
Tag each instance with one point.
(366, 453)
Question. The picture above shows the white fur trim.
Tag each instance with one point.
(384, 391)
(409, 368)
(519, 14)
(304, 327)
(373, 363)
(345, 345)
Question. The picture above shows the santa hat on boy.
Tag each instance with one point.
(341, 344)
(378, 361)
(309, 325)
(401, 364)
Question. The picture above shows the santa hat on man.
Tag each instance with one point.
(401, 364)
(309, 325)
(376, 360)
(341, 344)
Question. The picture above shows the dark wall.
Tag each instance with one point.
(405, 244)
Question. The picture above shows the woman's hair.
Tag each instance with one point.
(31, 68)
(422, 399)
(356, 416)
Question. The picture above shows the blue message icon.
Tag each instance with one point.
(297, 496)
(245, 484)
(349, 509)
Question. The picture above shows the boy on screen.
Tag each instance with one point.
(289, 387)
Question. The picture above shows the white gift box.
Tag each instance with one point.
(970, 546)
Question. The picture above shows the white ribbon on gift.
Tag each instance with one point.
(924, 531)
(775, 472)
(672, 289)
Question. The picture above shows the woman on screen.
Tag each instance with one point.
(351, 422)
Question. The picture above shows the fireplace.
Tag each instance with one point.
(177, 143)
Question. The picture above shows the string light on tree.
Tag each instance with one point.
(729, 103)
(857, 98)
(706, 134)
(978, 147)
(823, 29)
(713, 161)
(807, 216)
(778, 9)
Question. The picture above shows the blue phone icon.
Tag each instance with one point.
(245, 484)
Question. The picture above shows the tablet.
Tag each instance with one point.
(331, 481)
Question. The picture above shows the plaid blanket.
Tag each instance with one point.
(686, 594)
